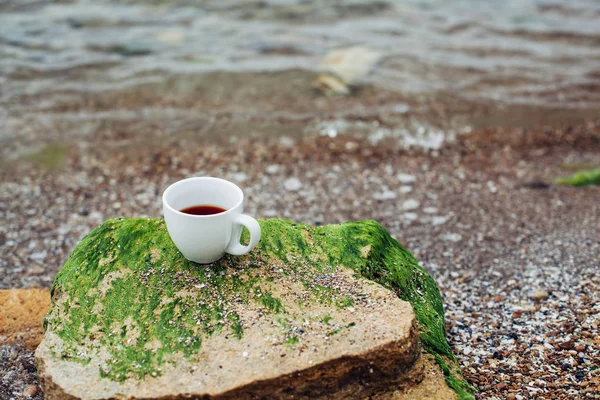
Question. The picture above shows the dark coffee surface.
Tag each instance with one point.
(203, 209)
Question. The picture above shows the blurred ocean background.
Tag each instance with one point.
(54, 54)
(515, 51)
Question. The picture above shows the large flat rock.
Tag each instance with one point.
(131, 318)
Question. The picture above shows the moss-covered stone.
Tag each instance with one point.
(113, 287)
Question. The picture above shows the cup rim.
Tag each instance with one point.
(202, 178)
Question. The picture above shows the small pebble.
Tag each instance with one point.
(292, 184)
(567, 345)
(410, 204)
(36, 270)
(239, 177)
(410, 216)
(29, 391)
(385, 195)
(405, 178)
(452, 237)
(438, 220)
(286, 141)
(272, 169)
(38, 256)
(540, 295)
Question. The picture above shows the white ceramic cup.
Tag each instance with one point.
(206, 238)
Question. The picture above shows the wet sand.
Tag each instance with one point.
(515, 256)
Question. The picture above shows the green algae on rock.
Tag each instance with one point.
(581, 178)
(368, 249)
(113, 287)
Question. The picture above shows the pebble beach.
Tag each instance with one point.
(515, 258)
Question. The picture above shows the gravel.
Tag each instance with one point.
(517, 263)
(17, 373)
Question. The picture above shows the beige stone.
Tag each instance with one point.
(21, 315)
(379, 350)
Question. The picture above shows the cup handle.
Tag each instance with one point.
(252, 225)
